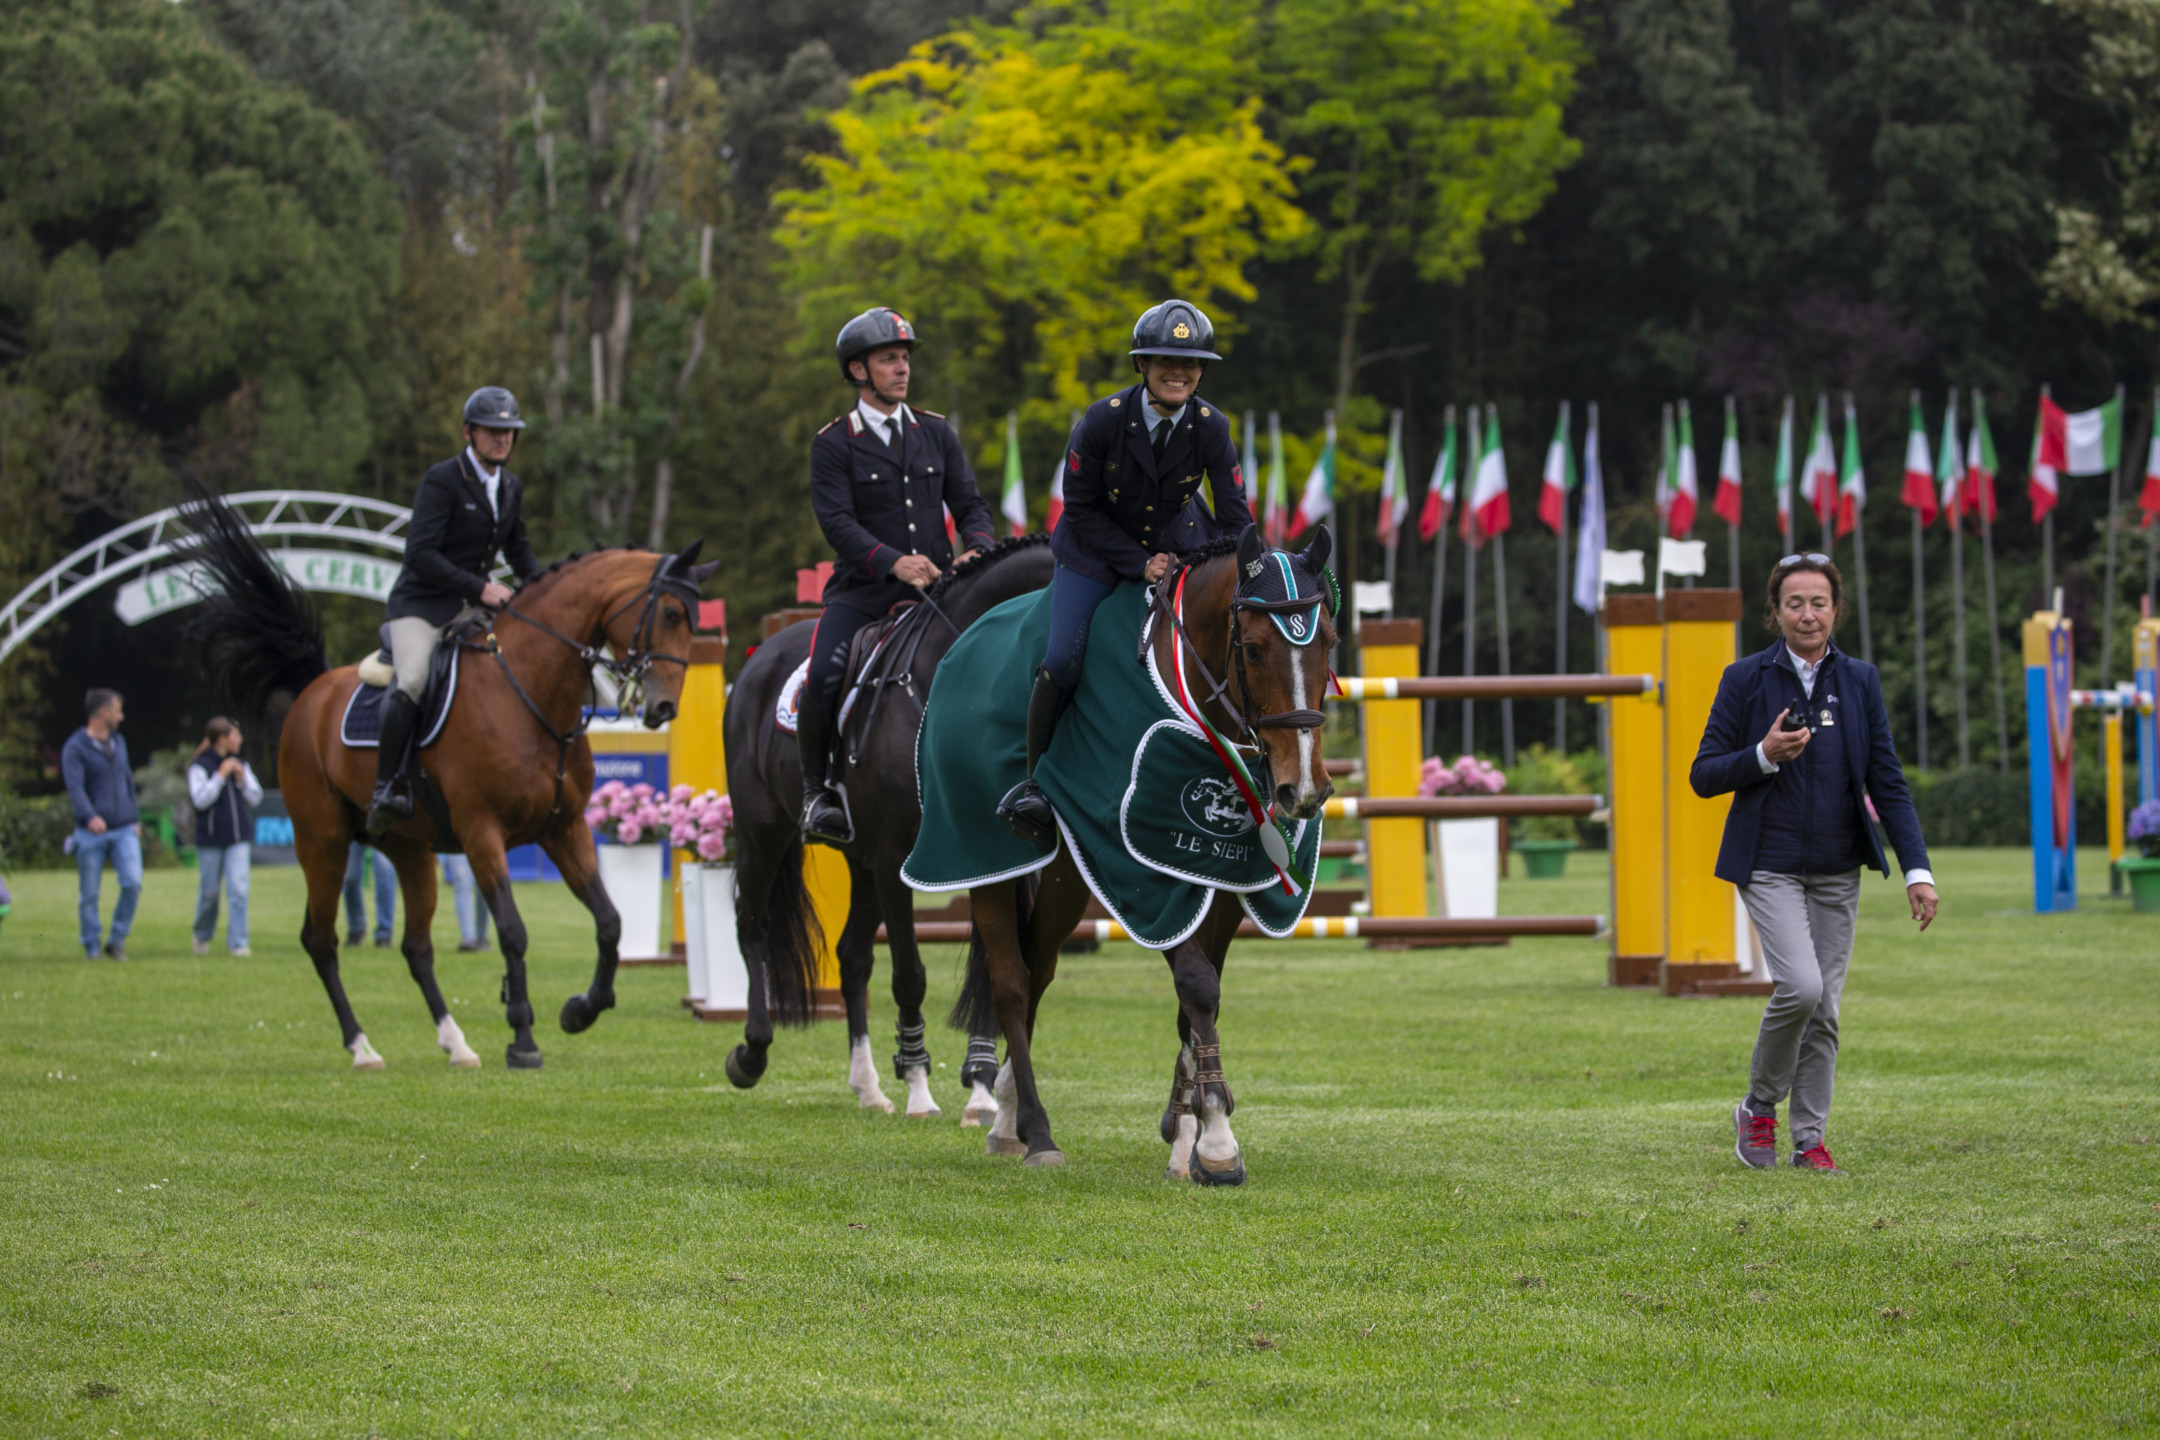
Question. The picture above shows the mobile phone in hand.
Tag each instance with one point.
(1791, 721)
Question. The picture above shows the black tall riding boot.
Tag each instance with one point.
(1025, 807)
(391, 803)
(825, 817)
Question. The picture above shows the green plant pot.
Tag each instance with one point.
(1544, 859)
(2144, 877)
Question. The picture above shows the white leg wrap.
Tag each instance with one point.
(919, 1104)
(862, 1077)
(363, 1054)
(1216, 1144)
(1005, 1123)
(982, 1108)
(452, 1041)
(1180, 1166)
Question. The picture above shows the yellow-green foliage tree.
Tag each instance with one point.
(1023, 194)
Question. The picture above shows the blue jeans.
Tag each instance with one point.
(472, 914)
(229, 863)
(356, 896)
(123, 847)
(1073, 601)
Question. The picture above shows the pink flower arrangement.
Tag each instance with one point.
(704, 823)
(1467, 776)
(627, 814)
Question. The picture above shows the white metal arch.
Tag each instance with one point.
(139, 544)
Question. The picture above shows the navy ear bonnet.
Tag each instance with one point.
(1275, 581)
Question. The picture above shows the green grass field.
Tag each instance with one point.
(1488, 1195)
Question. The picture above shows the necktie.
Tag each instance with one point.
(1161, 439)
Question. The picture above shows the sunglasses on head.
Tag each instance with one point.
(1815, 555)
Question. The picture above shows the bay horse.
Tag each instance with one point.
(775, 925)
(1266, 701)
(512, 763)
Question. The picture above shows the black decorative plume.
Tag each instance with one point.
(254, 635)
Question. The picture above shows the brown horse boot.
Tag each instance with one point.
(825, 818)
(391, 803)
(1025, 808)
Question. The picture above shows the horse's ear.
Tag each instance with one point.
(1250, 547)
(699, 574)
(1317, 552)
(680, 564)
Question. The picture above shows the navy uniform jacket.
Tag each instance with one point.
(1121, 507)
(875, 505)
(1750, 695)
(450, 545)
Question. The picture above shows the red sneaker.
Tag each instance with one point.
(1816, 1159)
(1754, 1137)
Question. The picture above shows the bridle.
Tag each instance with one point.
(629, 670)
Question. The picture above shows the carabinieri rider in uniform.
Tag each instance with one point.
(1150, 469)
(469, 507)
(881, 477)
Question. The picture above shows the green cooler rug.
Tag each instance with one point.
(1150, 814)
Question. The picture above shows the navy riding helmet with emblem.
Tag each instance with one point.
(1149, 471)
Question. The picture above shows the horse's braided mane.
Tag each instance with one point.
(1221, 545)
(984, 560)
(571, 559)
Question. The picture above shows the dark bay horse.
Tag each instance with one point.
(774, 922)
(1268, 701)
(512, 762)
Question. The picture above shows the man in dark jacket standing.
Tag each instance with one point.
(108, 823)
(469, 508)
(881, 477)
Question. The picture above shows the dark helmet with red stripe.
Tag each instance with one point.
(874, 329)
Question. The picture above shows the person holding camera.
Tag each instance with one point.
(225, 792)
(1798, 736)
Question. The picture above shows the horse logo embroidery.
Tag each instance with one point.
(1214, 805)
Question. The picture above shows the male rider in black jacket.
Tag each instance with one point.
(469, 507)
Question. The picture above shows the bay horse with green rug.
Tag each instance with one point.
(1187, 782)
(775, 925)
(507, 765)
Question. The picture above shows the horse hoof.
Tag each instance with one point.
(578, 1014)
(1045, 1157)
(930, 1114)
(367, 1062)
(521, 1059)
(1174, 1171)
(1232, 1174)
(974, 1117)
(996, 1144)
(742, 1076)
(469, 1060)
(875, 1101)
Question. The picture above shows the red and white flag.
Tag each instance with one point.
(1274, 515)
(1727, 503)
(1488, 508)
(1318, 501)
(1919, 489)
(1559, 476)
(1440, 489)
(1978, 493)
(1686, 489)
(1852, 478)
(2149, 497)
(1819, 482)
(1394, 487)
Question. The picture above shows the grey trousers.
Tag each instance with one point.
(412, 649)
(1806, 925)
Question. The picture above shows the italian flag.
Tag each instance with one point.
(1488, 491)
(1394, 490)
(1014, 504)
(1680, 505)
(2084, 442)
(1440, 489)
(1948, 471)
(1820, 478)
(1318, 501)
(1665, 464)
(1727, 503)
(1980, 463)
(2149, 498)
(1057, 485)
(1559, 476)
(1274, 522)
(1783, 480)
(1852, 479)
(1918, 492)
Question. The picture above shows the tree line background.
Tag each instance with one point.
(278, 241)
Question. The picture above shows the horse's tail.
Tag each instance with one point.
(785, 936)
(254, 633)
(973, 1012)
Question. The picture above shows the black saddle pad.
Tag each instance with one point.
(361, 728)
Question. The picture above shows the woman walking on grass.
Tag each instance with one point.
(1796, 837)
(225, 792)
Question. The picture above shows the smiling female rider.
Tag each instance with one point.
(1134, 462)
(1796, 837)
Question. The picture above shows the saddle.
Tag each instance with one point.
(361, 726)
(864, 674)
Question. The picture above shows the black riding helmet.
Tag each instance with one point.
(1175, 327)
(874, 329)
(493, 408)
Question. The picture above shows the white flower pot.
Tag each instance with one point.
(727, 979)
(1466, 868)
(693, 925)
(631, 876)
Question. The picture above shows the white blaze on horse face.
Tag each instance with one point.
(862, 1077)
(1307, 793)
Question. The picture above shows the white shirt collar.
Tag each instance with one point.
(1805, 669)
(1155, 418)
(490, 480)
(880, 423)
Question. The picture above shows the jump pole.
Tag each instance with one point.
(1700, 910)
(1392, 735)
(1635, 642)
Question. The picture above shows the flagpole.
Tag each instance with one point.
(1432, 631)
(1919, 609)
(1829, 512)
(1500, 616)
(2107, 610)
(2047, 526)
(1732, 531)
(1387, 507)
(1469, 612)
(1859, 537)
(1561, 599)
(2152, 530)
(1954, 515)
(1994, 616)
